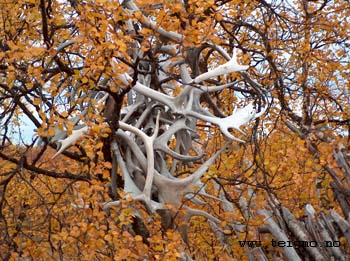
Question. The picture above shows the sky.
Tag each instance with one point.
(26, 128)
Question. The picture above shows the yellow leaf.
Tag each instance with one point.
(108, 130)
(218, 17)
(37, 101)
(96, 128)
(107, 165)
(224, 223)
(138, 238)
(108, 238)
(227, 232)
(84, 80)
(64, 114)
(51, 132)
(105, 174)
(138, 14)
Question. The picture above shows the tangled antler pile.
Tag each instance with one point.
(153, 118)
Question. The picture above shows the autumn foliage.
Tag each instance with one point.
(78, 70)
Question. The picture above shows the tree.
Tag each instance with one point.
(140, 152)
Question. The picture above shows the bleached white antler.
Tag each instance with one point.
(171, 190)
(174, 103)
(226, 68)
(129, 186)
(148, 141)
(239, 118)
(70, 140)
(162, 141)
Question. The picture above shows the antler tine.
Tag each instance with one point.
(148, 142)
(171, 190)
(226, 68)
(238, 118)
(70, 140)
(195, 106)
(130, 110)
(129, 185)
(161, 142)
